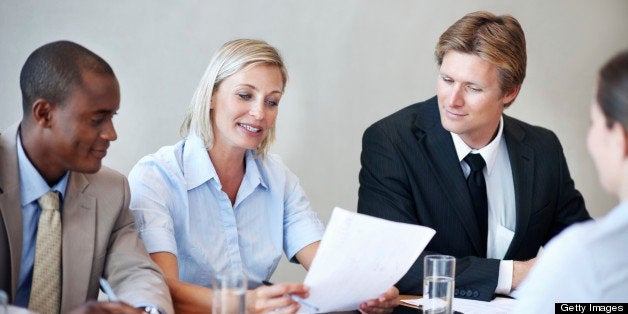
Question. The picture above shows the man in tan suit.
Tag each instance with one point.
(69, 98)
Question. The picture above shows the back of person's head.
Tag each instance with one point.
(496, 39)
(232, 57)
(53, 70)
(612, 90)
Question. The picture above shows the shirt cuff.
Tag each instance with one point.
(504, 281)
(158, 240)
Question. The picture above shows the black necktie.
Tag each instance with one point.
(477, 190)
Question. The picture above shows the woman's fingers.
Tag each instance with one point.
(276, 298)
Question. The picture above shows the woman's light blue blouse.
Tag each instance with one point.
(179, 207)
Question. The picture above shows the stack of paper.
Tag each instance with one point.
(497, 306)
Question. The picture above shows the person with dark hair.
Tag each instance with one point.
(587, 262)
(494, 188)
(64, 218)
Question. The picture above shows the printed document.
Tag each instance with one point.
(360, 257)
(499, 305)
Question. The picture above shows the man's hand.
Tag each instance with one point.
(520, 270)
(384, 304)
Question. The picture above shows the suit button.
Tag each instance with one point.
(475, 294)
(462, 293)
(456, 291)
(469, 293)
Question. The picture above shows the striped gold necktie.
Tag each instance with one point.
(46, 287)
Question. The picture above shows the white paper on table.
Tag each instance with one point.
(499, 305)
(12, 309)
(360, 257)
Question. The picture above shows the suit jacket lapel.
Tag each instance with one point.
(79, 237)
(438, 149)
(522, 163)
(10, 205)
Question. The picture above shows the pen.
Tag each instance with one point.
(104, 285)
(295, 298)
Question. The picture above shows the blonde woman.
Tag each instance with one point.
(218, 201)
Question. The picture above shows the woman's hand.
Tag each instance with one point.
(384, 304)
(276, 298)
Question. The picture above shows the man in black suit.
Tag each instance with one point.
(415, 169)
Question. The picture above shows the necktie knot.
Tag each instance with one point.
(475, 161)
(49, 201)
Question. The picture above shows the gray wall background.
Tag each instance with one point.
(350, 63)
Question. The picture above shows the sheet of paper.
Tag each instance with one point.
(12, 309)
(499, 305)
(360, 257)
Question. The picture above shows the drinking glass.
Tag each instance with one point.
(229, 288)
(438, 283)
(4, 301)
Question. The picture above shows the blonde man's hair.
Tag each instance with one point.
(232, 57)
(496, 39)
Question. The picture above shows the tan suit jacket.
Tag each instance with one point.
(99, 237)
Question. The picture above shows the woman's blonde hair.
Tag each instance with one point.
(230, 58)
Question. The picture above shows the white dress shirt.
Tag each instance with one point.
(500, 190)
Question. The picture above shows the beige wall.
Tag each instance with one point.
(350, 64)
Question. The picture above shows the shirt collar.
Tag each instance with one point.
(252, 173)
(200, 169)
(197, 166)
(488, 152)
(619, 213)
(32, 184)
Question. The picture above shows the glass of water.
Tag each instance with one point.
(438, 283)
(4, 301)
(229, 289)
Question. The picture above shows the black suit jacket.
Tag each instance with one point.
(411, 173)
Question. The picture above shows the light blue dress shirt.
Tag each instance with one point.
(32, 187)
(588, 262)
(179, 207)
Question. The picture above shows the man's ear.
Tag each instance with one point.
(510, 95)
(41, 110)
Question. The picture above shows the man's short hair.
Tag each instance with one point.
(496, 39)
(54, 69)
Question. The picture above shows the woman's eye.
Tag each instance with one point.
(474, 89)
(271, 102)
(244, 96)
(446, 79)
